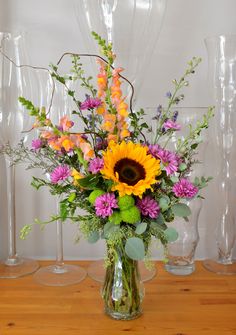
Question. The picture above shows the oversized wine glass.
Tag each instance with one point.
(222, 79)
(58, 274)
(15, 81)
(133, 27)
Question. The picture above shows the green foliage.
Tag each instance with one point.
(134, 248)
(181, 210)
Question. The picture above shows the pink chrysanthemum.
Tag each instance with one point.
(169, 160)
(95, 165)
(185, 189)
(169, 124)
(154, 150)
(60, 173)
(90, 103)
(148, 207)
(36, 144)
(105, 203)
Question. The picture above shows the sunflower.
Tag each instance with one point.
(130, 167)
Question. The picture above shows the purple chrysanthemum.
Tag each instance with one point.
(90, 103)
(154, 150)
(148, 207)
(169, 159)
(185, 189)
(95, 165)
(36, 144)
(169, 124)
(105, 203)
(60, 173)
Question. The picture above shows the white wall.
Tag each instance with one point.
(52, 29)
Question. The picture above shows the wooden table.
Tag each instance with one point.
(203, 303)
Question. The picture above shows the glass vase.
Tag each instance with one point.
(180, 253)
(15, 81)
(59, 273)
(222, 80)
(122, 290)
(141, 21)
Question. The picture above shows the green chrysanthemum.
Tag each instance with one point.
(131, 215)
(125, 202)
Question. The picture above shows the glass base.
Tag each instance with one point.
(122, 316)
(97, 271)
(64, 275)
(180, 270)
(17, 267)
(215, 266)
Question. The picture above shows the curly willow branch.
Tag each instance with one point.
(34, 68)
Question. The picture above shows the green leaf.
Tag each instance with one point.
(134, 248)
(93, 237)
(72, 197)
(174, 179)
(141, 227)
(110, 228)
(90, 182)
(63, 211)
(164, 203)
(181, 210)
(182, 167)
(171, 234)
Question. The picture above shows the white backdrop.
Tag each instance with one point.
(52, 29)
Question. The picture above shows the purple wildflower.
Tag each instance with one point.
(100, 144)
(185, 189)
(169, 124)
(90, 103)
(95, 165)
(175, 116)
(148, 207)
(158, 114)
(105, 203)
(36, 144)
(60, 173)
(168, 94)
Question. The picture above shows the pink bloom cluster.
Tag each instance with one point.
(169, 159)
(148, 207)
(90, 103)
(36, 144)
(169, 124)
(60, 173)
(95, 165)
(105, 203)
(185, 189)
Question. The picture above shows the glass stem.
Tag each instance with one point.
(59, 259)
(12, 255)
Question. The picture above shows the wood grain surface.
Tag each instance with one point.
(202, 303)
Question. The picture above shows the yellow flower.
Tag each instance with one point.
(131, 168)
(76, 175)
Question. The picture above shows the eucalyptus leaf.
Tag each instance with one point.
(164, 203)
(109, 228)
(134, 248)
(181, 210)
(93, 237)
(182, 167)
(141, 227)
(171, 234)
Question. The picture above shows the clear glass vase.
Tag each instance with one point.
(124, 24)
(15, 81)
(122, 290)
(180, 253)
(222, 81)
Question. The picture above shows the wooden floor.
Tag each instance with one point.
(203, 303)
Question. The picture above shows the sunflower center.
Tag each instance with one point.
(130, 171)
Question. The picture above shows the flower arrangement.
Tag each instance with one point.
(130, 188)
